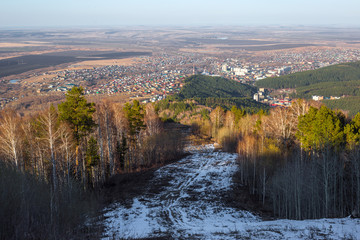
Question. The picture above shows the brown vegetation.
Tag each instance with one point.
(45, 149)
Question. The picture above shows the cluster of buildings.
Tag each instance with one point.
(154, 77)
(161, 74)
(247, 73)
(319, 98)
(261, 96)
(277, 63)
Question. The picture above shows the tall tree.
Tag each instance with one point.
(321, 128)
(10, 137)
(217, 119)
(78, 113)
(152, 120)
(135, 115)
(352, 131)
(49, 132)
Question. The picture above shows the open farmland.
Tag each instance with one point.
(18, 65)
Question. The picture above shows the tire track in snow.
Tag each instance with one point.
(191, 202)
(171, 205)
(190, 207)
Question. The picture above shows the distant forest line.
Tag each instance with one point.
(341, 80)
(337, 73)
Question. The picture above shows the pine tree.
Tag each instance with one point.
(135, 115)
(78, 113)
(320, 128)
(352, 131)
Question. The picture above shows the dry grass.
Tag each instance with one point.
(107, 62)
(40, 79)
(205, 49)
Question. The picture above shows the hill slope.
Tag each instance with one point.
(199, 86)
(190, 200)
(218, 91)
(332, 80)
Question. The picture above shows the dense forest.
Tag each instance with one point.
(337, 73)
(202, 91)
(328, 89)
(303, 161)
(337, 80)
(52, 161)
(200, 86)
(349, 105)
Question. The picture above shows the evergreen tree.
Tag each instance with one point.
(135, 115)
(78, 113)
(352, 131)
(238, 114)
(321, 127)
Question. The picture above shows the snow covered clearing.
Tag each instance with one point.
(190, 206)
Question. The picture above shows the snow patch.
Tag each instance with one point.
(191, 207)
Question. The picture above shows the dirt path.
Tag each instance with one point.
(190, 204)
(185, 201)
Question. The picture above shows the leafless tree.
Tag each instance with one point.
(10, 137)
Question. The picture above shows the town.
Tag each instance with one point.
(154, 77)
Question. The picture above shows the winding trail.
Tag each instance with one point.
(189, 206)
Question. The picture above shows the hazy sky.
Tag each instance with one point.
(57, 13)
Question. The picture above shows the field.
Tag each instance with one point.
(19, 65)
(99, 63)
(270, 47)
(33, 55)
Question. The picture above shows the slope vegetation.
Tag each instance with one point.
(199, 86)
(336, 80)
(218, 91)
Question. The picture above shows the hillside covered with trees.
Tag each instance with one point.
(51, 162)
(200, 86)
(211, 92)
(349, 105)
(301, 162)
(336, 80)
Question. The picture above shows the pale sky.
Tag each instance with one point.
(64, 13)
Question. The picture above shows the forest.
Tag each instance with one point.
(200, 90)
(337, 73)
(328, 89)
(54, 162)
(200, 86)
(349, 105)
(301, 162)
(336, 80)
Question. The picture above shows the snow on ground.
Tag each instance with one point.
(190, 207)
